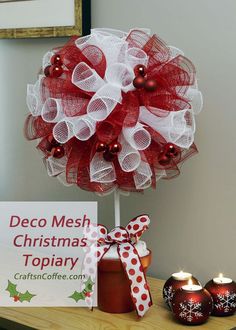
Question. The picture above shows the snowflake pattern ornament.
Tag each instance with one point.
(227, 302)
(190, 310)
(114, 110)
(192, 306)
(175, 282)
(224, 296)
(168, 294)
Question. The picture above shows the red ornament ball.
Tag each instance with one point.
(56, 59)
(101, 147)
(171, 150)
(173, 284)
(139, 82)
(108, 156)
(140, 70)
(115, 148)
(224, 297)
(192, 307)
(163, 159)
(47, 71)
(150, 85)
(58, 152)
(55, 71)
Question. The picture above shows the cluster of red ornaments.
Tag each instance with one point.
(54, 148)
(109, 151)
(192, 304)
(54, 70)
(141, 80)
(169, 152)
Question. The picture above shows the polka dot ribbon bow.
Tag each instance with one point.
(124, 239)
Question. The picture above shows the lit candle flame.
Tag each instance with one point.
(190, 282)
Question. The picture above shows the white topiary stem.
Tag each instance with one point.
(117, 208)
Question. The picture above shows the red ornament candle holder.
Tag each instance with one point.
(192, 304)
(114, 287)
(175, 282)
(223, 292)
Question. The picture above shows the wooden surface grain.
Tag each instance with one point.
(158, 317)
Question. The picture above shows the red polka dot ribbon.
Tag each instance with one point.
(125, 239)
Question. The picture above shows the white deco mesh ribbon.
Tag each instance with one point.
(101, 171)
(138, 137)
(52, 110)
(86, 78)
(104, 102)
(112, 45)
(143, 176)
(119, 75)
(174, 52)
(56, 166)
(63, 130)
(196, 100)
(136, 56)
(178, 127)
(33, 98)
(33, 101)
(84, 127)
(47, 59)
(129, 158)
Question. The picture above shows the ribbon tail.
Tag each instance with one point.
(133, 268)
(89, 268)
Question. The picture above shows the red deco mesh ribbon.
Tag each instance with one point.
(125, 239)
(164, 114)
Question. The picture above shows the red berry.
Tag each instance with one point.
(139, 82)
(101, 147)
(140, 70)
(171, 150)
(115, 148)
(56, 59)
(88, 294)
(150, 85)
(163, 159)
(16, 298)
(58, 152)
(47, 71)
(55, 71)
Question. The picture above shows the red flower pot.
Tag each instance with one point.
(113, 285)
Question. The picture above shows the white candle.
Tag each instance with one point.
(222, 280)
(181, 276)
(191, 286)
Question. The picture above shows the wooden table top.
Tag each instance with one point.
(158, 317)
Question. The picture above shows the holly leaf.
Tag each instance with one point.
(27, 296)
(77, 296)
(11, 288)
(88, 285)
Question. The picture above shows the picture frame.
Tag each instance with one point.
(80, 26)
